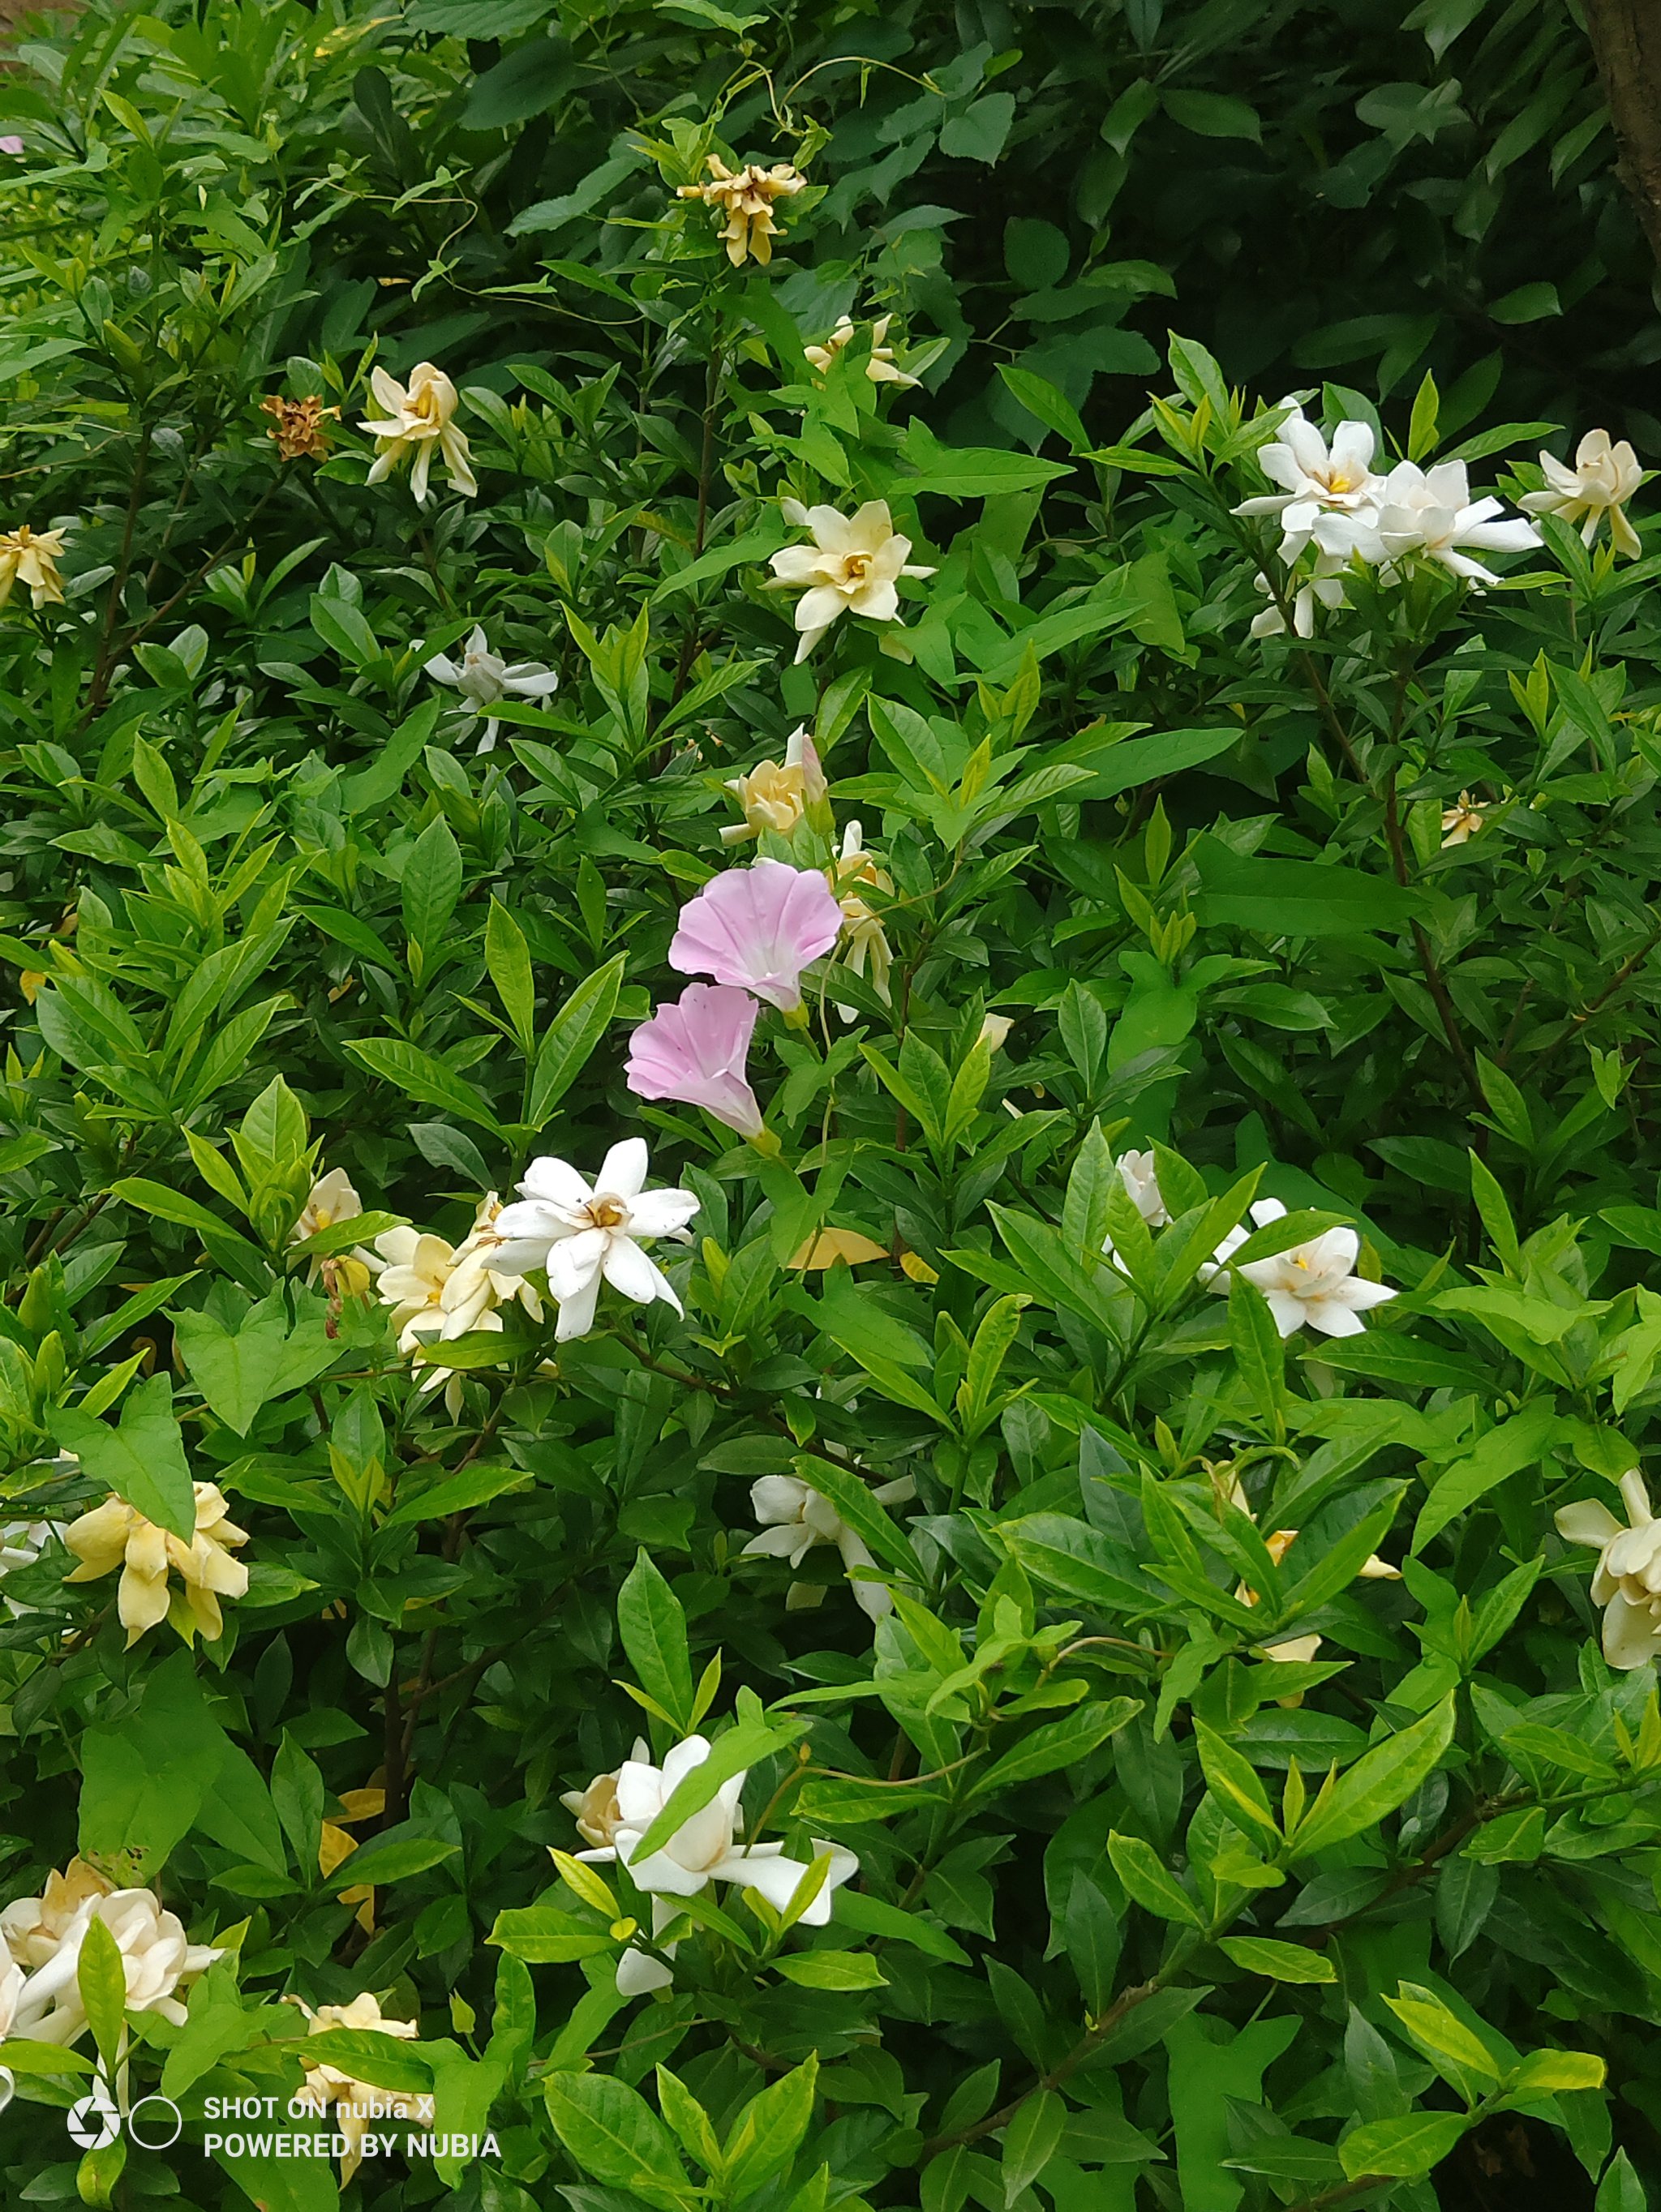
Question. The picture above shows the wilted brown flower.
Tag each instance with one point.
(297, 427)
(746, 198)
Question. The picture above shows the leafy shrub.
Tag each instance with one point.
(829, 1179)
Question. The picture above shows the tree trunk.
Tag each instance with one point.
(1626, 39)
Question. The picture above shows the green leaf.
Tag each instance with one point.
(1060, 1743)
(392, 1856)
(457, 1493)
(1150, 1882)
(100, 1975)
(1294, 898)
(570, 1038)
(1380, 1780)
(652, 1624)
(831, 1970)
(142, 1459)
(860, 1510)
(546, 1935)
(1441, 2034)
(419, 1075)
(1046, 405)
(143, 1778)
(1544, 2073)
(1031, 2141)
(615, 2136)
(1134, 761)
(767, 2134)
(1232, 1781)
(384, 2061)
(508, 956)
(1518, 1442)
(1281, 1962)
(1212, 115)
(1402, 2148)
(971, 472)
(238, 1369)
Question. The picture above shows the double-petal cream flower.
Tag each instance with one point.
(771, 797)
(484, 678)
(438, 1291)
(1313, 1283)
(744, 198)
(704, 1849)
(879, 367)
(355, 2103)
(1431, 513)
(44, 1936)
(1627, 1582)
(794, 1517)
(415, 422)
(1603, 478)
(116, 1535)
(852, 567)
(582, 1234)
(1300, 1650)
(30, 558)
(1329, 496)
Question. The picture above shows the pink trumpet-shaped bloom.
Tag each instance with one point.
(759, 927)
(694, 1051)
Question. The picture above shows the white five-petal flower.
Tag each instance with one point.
(484, 679)
(585, 1234)
(794, 1517)
(702, 1850)
(1313, 1283)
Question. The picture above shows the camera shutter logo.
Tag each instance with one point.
(95, 2122)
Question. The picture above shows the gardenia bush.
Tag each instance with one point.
(827, 1349)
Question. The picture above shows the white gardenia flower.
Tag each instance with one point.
(794, 1517)
(1431, 511)
(1140, 1178)
(704, 1849)
(484, 679)
(1313, 1283)
(1603, 478)
(1330, 496)
(1321, 586)
(1627, 1582)
(155, 1954)
(582, 1234)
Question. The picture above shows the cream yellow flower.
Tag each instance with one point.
(745, 198)
(1603, 478)
(356, 2103)
(1299, 1649)
(1627, 1580)
(1460, 824)
(865, 947)
(851, 567)
(33, 1928)
(116, 1535)
(331, 1200)
(879, 368)
(416, 422)
(438, 1292)
(776, 798)
(596, 1811)
(30, 556)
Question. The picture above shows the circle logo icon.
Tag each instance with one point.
(155, 2122)
(93, 2122)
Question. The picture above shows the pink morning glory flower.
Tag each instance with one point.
(759, 927)
(694, 1051)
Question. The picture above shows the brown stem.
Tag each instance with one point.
(1342, 2192)
(1429, 967)
(1626, 43)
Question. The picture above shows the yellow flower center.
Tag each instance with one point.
(608, 1213)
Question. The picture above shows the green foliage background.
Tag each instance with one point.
(266, 909)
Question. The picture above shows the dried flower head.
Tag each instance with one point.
(297, 427)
